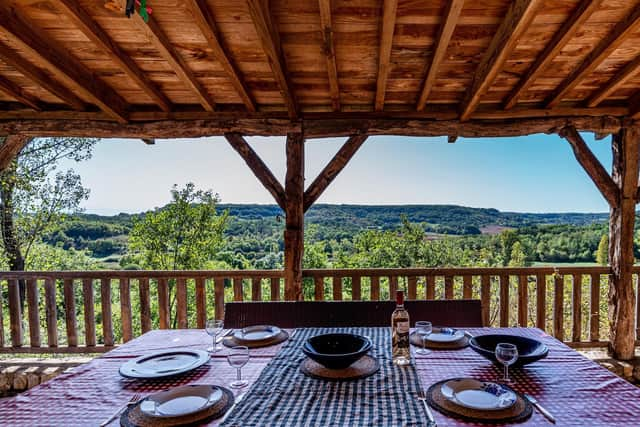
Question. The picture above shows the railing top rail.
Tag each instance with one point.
(458, 271)
(140, 274)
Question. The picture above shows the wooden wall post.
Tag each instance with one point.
(294, 211)
(625, 147)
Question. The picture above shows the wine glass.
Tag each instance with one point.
(507, 354)
(213, 328)
(424, 329)
(238, 357)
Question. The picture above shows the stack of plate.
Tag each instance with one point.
(190, 404)
(256, 336)
(476, 400)
(442, 338)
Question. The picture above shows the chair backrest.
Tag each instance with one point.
(306, 314)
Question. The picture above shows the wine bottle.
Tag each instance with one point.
(400, 333)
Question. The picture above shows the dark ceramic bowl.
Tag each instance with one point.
(529, 350)
(336, 351)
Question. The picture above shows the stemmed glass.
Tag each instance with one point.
(424, 329)
(213, 328)
(238, 357)
(507, 354)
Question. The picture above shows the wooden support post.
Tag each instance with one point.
(625, 146)
(294, 211)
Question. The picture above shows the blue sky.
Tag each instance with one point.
(526, 174)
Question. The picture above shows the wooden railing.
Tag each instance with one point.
(91, 311)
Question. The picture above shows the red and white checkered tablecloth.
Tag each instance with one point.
(575, 389)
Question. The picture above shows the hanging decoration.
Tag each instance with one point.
(143, 10)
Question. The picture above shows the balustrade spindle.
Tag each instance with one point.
(51, 311)
(201, 302)
(337, 288)
(107, 323)
(1, 315)
(504, 300)
(125, 309)
(356, 287)
(576, 306)
(375, 288)
(393, 286)
(467, 287)
(485, 299)
(412, 285)
(163, 303)
(70, 312)
(34, 313)
(523, 299)
(237, 289)
(218, 289)
(15, 315)
(275, 289)
(430, 287)
(145, 304)
(448, 287)
(558, 307)
(181, 300)
(89, 312)
(594, 319)
(256, 289)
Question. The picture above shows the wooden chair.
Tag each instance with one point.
(307, 314)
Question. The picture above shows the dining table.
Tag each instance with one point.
(576, 390)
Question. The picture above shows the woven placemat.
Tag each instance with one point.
(519, 412)
(362, 368)
(134, 417)
(232, 341)
(463, 342)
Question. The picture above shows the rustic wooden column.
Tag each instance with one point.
(625, 147)
(294, 211)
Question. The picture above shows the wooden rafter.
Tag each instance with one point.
(451, 15)
(258, 167)
(205, 20)
(18, 93)
(621, 32)
(332, 169)
(97, 35)
(40, 77)
(389, 9)
(592, 166)
(63, 66)
(177, 63)
(268, 35)
(570, 27)
(10, 147)
(518, 18)
(329, 52)
(621, 77)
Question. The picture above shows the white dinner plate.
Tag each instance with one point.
(480, 395)
(445, 335)
(164, 364)
(181, 401)
(256, 333)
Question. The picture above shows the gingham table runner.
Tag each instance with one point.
(578, 391)
(284, 396)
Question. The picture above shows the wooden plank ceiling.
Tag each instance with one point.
(285, 59)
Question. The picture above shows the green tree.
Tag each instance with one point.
(518, 257)
(35, 196)
(602, 254)
(183, 235)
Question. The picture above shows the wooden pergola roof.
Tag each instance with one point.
(267, 67)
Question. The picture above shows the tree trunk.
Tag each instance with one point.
(10, 239)
(625, 147)
(294, 230)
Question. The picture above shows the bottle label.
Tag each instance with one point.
(402, 327)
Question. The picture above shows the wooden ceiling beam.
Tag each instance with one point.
(329, 52)
(258, 167)
(568, 30)
(591, 165)
(10, 148)
(205, 20)
(19, 94)
(40, 78)
(634, 105)
(332, 169)
(621, 77)
(98, 36)
(612, 41)
(63, 66)
(389, 9)
(177, 63)
(450, 20)
(515, 23)
(270, 39)
(313, 128)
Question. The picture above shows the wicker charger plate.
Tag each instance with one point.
(232, 341)
(463, 342)
(519, 412)
(134, 417)
(362, 368)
